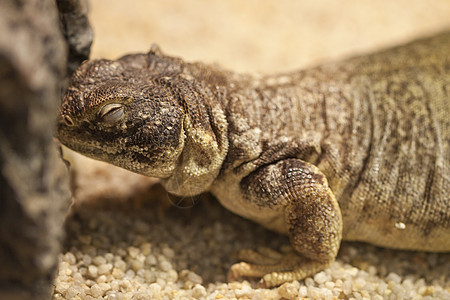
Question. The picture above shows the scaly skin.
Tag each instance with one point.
(353, 150)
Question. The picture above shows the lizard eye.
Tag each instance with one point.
(111, 113)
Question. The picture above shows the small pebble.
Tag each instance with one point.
(320, 277)
(105, 268)
(92, 271)
(199, 291)
(288, 290)
(70, 258)
(133, 251)
(99, 260)
(96, 291)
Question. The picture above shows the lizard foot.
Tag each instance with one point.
(274, 267)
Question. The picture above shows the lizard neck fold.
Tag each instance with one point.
(205, 143)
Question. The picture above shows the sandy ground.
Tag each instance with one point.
(125, 238)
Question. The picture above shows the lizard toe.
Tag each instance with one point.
(273, 267)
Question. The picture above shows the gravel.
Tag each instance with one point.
(155, 251)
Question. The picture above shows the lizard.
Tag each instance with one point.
(356, 149)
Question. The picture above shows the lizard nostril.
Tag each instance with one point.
(68, 120)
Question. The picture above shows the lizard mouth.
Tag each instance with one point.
(71, 138)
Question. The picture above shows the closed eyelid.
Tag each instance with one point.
(111, 113)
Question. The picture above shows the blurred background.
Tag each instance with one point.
(261, 35)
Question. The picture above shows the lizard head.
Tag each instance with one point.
(147, 114)
(125, 112)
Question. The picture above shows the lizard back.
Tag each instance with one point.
(401, 196)
(377, 126)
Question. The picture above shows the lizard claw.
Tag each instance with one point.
(273, 267)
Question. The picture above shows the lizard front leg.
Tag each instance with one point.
(300, 192)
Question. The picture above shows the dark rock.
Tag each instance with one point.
(34, 195)
(76, 30)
